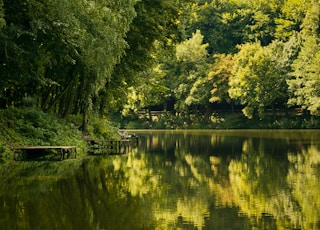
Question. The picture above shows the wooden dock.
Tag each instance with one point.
(27, 152)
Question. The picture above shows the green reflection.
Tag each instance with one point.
(174, 180)
(285, 190)
(303, 179)
(85, 199)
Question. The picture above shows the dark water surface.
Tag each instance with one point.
(173, 180)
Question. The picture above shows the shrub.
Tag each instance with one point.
(29, 126)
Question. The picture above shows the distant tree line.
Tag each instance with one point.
(252, 54)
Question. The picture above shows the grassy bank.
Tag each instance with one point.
(29, 126)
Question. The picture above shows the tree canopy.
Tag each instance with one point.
(257, 55)
(62, 55)
(91, 57)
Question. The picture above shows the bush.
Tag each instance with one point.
(29, 126)
(102, 129)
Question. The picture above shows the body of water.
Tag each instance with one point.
(173, 180)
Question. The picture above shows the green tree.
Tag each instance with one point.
(191, 67)
(290, 18)
(261, 26)
(258, 81)
(62, 52)
(221, 23)
(304, 85)
(226, 24)
(155, 28)
(220, 74)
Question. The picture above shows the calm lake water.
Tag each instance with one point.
(173, 180)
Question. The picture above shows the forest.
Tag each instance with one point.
(75, 68)
(161, 63)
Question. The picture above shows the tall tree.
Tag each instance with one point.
(304, 85)
(155, 27)
(191, 67)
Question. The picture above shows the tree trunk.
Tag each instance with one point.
(85, 121)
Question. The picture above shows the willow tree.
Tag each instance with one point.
(105, 24)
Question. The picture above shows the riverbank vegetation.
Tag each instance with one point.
(235, 120)
(30, 126)
(157, 64)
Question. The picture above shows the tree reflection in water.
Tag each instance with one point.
(174, 180)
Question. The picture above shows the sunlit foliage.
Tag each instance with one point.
(257, 80)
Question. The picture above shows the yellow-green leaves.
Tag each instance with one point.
(257, 79)
(304, 85)
(192, 50)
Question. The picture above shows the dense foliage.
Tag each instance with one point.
(255, 56)
(61, 55)
(30, 126)
(188, 59)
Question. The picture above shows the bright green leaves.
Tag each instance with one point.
(192, 57)
(291, 18)
(257, 79)
(310, 23)
(192, 50)
(82, 56)
(222, 24)
(305, 84)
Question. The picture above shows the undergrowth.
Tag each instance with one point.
(30, 126)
